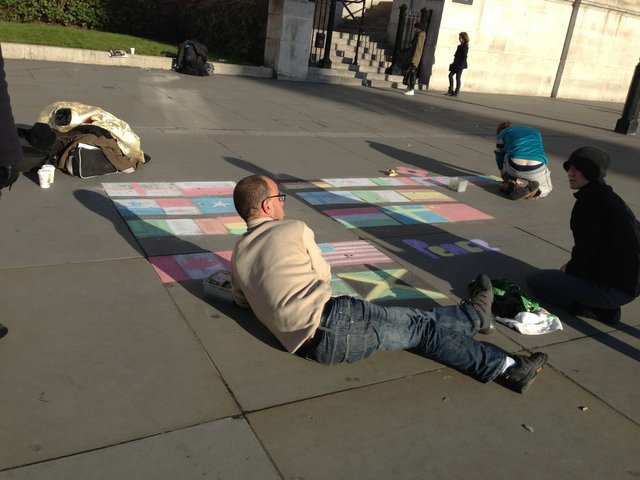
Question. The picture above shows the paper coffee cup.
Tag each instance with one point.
(51, 170)
(133, 51)
(43, 178)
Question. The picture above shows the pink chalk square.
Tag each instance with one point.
(156, 189)
(225, 255)
(200, 265)
(425, 195)
(211, 226)
(168, 269)
(177, 206)
(418, 172)
(190, 266)
(458, 212)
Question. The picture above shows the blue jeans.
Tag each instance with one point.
(458, 75)
(564, 290)
(352, 329)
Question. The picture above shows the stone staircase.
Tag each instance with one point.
(374, 55)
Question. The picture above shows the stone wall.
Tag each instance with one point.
(289, 38)
(516, 46)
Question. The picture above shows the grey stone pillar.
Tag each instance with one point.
(289, 38)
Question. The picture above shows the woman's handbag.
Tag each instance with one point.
(410, 74)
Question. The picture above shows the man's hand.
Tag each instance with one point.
(563, 268)
(8, 175)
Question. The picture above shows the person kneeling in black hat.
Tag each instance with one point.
(604, 270)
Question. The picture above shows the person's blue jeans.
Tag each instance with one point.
(352, 329)
(458, 75)
(564, 290)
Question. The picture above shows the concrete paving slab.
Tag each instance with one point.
(71, 222)
(603, 364)
(222, 449)
(241, 347)
(97, 355)
(426, 426)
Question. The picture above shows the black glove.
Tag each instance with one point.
(8, 175)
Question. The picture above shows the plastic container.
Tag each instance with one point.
(457, 184)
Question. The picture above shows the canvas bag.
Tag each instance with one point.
(87, 161)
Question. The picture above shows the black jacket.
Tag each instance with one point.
(460, 57)
(607, 239)
(10, 149)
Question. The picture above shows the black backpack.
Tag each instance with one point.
(192, 59)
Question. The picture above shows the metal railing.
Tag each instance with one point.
(404, 35)
(324, 23)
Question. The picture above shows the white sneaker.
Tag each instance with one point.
(409, 91)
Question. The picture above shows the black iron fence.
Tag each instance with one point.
(404, 34)
(324, 21)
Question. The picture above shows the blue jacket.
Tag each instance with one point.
(518, 141)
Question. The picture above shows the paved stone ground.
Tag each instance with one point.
(109, 373)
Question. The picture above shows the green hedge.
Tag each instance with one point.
(81, 13)
(232, 28)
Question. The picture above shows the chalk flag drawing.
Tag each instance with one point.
(194, 266)
(360, 217)
(340, 287)
(459, 212)
(413, 214)
(214, 205)
(388, 284)
(205, 189)
(381, 196)
(349, 182)
(425, 195)
(190, 266)
(168, 189)
(394, 182)
(139, 189)
(355, 252)
(329, 197)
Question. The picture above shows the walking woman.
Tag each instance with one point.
(459, 64)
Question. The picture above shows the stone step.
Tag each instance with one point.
(373, 57)
(379, 56)
(378, 77)
(322, 75)
(358, 68)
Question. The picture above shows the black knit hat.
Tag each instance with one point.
(592, 162)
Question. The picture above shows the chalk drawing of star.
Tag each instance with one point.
(389, 284)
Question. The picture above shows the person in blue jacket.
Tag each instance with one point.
(522, 162)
